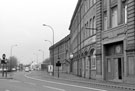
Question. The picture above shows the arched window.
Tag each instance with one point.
(93, 59)
(90, 24)
(94, 25)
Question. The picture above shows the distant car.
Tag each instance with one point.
(0, 69)
(27, 69)
(5, 69)
(13, 69)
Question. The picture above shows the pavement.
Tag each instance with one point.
(9, 75)
(74, 78)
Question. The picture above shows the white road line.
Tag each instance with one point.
(54, 88)
(14, 81)
(30, 83)
(64, 84)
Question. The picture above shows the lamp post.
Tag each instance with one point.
(36, 56)
(49, 42)
(42, 52)
(71, 58)
(12, 46)
(52, 44)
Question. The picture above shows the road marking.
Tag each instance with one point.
(64, 83)
(54, 88)
(30, 83)
(14, 81)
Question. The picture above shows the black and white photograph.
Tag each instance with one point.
(67, 45)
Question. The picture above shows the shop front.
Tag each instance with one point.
(114, 61)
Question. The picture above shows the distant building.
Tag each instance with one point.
(61, 53)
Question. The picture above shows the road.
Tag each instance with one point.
(23, 82)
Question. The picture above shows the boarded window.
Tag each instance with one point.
(131, 67)
(98, 67)
(93, 60)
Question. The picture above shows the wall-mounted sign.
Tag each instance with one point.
(50, 68)
(90, 40)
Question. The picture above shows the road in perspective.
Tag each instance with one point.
(34, 81)
(67, 45)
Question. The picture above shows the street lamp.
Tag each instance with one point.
(52, 45)
(71, 58)
(49, 41)
(42, 52)
(36, 56)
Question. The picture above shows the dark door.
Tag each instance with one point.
(119, 69)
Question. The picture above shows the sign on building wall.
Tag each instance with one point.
(90, 40)
(50, 68)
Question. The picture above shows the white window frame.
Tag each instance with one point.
(93, 60)
(105, 20)
(125, 14)
(114, 17)
(87, 63)
(90, 27)
(94, 25)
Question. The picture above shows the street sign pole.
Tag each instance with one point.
(6, 67)
(58, 71)
(3, 62)
(58, 64)
(2, 70)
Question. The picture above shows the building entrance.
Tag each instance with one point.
(114, 60)
(118, 68)
(114, 69)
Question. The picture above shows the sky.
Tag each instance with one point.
(21, 24)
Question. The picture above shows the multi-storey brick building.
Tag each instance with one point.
(85, 39)
(103, 39)
(61, 53)
(118, 40)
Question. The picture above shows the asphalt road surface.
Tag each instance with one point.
(23, 82)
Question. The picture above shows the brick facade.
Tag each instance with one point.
(102, 41)
(61, 53)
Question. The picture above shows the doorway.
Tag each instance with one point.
(118, 68)
(114, 69)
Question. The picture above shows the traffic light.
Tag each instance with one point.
(4, 56)
(58, 63)
(3, 61)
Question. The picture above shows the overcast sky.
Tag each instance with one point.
(21, 23)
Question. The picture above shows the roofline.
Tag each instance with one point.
(77, 6)
(61, 41)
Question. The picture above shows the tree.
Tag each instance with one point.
(12, 62)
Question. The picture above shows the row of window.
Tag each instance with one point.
(89, 4)
(114, 16)
(89, 29)
(90, 23)
(92, 60)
